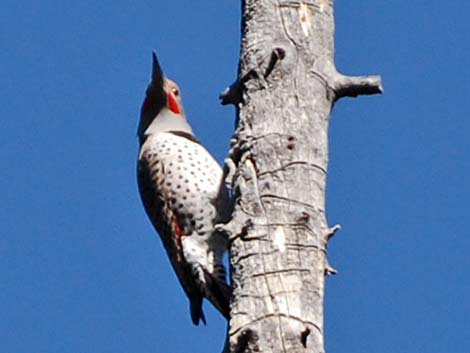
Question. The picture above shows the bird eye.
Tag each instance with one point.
(175, 91)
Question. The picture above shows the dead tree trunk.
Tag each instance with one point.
(286, 89)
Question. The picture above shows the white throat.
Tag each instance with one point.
(166, 120)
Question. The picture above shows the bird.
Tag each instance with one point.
(184, 195)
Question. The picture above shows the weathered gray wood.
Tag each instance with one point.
(286, 89)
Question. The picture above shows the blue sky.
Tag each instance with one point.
(80, 265)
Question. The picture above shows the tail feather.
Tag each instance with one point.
(197, 314)
(219, 294)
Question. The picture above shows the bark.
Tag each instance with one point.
(277, 166)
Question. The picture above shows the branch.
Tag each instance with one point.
(353, 86)
(332, 231)
(234, 93)
(346, 86)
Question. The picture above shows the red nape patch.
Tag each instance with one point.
(172, 105)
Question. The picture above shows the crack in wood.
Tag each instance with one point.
(288, 200)
(277, 272)
(294, 164)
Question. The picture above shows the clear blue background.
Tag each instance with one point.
(81, 269)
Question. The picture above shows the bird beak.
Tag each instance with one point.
(156, 90)
(157, 73)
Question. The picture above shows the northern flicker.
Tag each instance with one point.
(182, 189)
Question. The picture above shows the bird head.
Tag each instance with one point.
(162, 109)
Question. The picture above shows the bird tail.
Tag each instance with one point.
(195, 306)
(218, 292)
